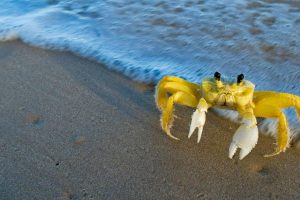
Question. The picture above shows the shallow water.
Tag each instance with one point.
(146, 40)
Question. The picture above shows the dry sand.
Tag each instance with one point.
(71, 129)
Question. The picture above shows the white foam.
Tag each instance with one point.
(147, 40)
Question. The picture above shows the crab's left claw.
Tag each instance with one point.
(244, 138)
(198, 119)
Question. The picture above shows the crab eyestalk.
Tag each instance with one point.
(240, 78)
(219, 83)
(217, 76)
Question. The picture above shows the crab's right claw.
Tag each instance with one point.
(244, 138)
(198, 119)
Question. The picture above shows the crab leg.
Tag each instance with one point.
(171, 85)
(282, 129)
(269, 104)
(282, 135)
(198, 119)
(179, 80)
(167, 114)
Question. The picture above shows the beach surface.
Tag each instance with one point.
(71, 129)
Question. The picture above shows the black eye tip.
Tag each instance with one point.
(240, 78)
(217, 76)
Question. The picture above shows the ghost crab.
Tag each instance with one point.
(226, 93)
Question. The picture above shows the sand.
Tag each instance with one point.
(71, 129)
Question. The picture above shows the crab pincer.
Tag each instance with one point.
(244, 138)
(198, 119)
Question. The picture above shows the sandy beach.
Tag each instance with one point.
(71, 129)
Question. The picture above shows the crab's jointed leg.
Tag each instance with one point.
(167, 115)
(172, 90)
(282, 133)
(269, 104)
(170, 85)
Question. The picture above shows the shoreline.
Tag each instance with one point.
(72, 129)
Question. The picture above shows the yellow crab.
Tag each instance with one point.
(226, 93)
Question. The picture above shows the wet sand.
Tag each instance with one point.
(71, 129)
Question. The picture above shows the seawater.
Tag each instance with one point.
(147, 40)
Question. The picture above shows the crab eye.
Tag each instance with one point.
(240, 78)
(217, 76)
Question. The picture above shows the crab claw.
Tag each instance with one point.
(244, 138)
(198, 119)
